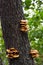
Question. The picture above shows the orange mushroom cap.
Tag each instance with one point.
(34, 51)
(9, 55)
(15, 56)
(23, 22)
(35, 56)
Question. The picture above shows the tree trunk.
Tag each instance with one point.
(12, 13)
(1, 62)
(0, 7)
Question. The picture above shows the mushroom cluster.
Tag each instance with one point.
(34, 53)
(24, 26)
(12, 53)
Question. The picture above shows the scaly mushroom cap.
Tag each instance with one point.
(35, 56)
(15, 56)
(11, 50)
(23, 22)
(12, 53)
(34, 52)
(9, 56)
(12, 56)
(24, 28)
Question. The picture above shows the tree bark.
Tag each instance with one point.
(12, 13)
(1, 62)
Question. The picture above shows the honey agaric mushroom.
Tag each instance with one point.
(12, 56)
(12, 53)
(27, 27)
(23, 22)
(24, 27)
(24, 30)
(34, 53)
(9, 56)
(15, 56)
(12, 50)
(34, 56)
(8, 50)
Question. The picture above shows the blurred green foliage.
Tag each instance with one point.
(2, 49)
(33, 12)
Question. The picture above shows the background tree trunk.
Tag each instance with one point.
(12, 13)
(1, 62)
(0, 7)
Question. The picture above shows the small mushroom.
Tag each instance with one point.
(24, 28)
(34, 56)
(34, 53)
(16, 51)
(9, 56)
(15, 56)
(27, 27)
(8, 50)
(12, 53)
(23, 22)
(11, 50)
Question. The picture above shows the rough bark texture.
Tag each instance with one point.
(0, 7)
(12, 13)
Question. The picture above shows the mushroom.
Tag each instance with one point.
(15, 56)
(12, 53)
(34, 53)
(23, 22)
(11, 50)
(24, 28)
(9, 56)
